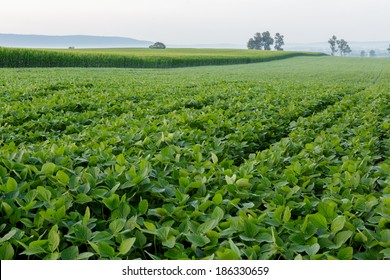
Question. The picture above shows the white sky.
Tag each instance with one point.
(200, 21)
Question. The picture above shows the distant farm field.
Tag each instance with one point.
(137, 58)
(288, 159)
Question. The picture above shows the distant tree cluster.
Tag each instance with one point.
(371, 53)
(339, 46)
(264, 41)
(157, 45)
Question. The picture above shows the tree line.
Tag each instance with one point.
(264, 41)
(340, 46)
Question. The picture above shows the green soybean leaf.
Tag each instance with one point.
(105, 250)
(7, 208)
(82, 232)
(217, 199)
(43, 194)
(229, 180)
(70, 253)
(337, 224)
(217, 214)
(287, 214)
(386, 253)
(83, 198)
(342, 238)
(214, 158)
(197, 239)
(9, 235)
(112, 202)
(143, 206)
(234, 247)
(208, 225)
(194, 185)
(243, 182)
(6, 251)
(36, 247)
(126, 245)
(86, 217)
(48, 168)
(120, 159)
(327, 209)
(85, 256)
(102, 236)
(227, 254)
(345, 253)
(386, 201)
(150, 226)
(62, 177)
(385, 238)
(11, 185)
(311, 250)
(251, 229)
(319, 221)
(169, 242)
(54, 238)
(117, 225)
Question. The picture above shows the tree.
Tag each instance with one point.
(332, 41)
(255, 43)
(264, 40)
(251, 44)
(157, 45)
(363, 53)
(389, 48)
(372, 53)
(268, 41)
(258, 41)
(343, 47)
(279, 42)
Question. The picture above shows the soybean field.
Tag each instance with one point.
(288, 159)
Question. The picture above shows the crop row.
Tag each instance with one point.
(10, 57)
(329, 197)
(238, 119)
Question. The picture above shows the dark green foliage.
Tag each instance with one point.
(264, 41)
(268, 41)
(279, 41)
(333, 45)
(343, 47)
(157, 45)
(256, 43)
(235, 162)
(134, 59)
(339, 46)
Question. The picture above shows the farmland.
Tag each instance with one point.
(286, 159)
(136, 58)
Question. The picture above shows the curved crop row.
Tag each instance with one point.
(15, 58)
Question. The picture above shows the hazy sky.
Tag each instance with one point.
(200, 21)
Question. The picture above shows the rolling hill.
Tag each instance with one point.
(78, 41)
